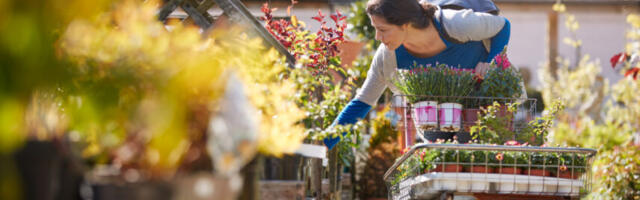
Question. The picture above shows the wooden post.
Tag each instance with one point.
(251, 179)
(552, 42)
(335, 189)
(315, 176)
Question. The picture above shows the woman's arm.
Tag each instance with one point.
(366, 97)
(353, 112)
(466, 25)
(499, 41)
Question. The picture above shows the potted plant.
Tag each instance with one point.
(510, 162)
(480, 162)
(571, 166)
(537, 129)
(501, 82)
(419, 83)
(431, 161)
(438, 160)
(542, 164)
(455, 85)
(471, 108)
(491, 128)
(453, 160)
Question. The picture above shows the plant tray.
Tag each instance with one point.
(431, 185)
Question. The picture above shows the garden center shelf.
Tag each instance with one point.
(428, 171)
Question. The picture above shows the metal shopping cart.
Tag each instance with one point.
(431, 171)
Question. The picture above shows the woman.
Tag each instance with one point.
(419, 32)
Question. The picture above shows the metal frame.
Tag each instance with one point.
(395, 165)
(234, 9)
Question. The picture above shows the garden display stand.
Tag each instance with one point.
(406, 180)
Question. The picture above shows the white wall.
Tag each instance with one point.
(602, 31)
(527, 46)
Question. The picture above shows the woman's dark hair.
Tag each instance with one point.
(400, 12)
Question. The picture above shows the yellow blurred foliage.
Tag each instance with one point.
(169, 80)
(559, 7)
(11, 115)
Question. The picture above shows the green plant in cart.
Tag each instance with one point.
(481, 157)
(501, 81)
(429, 159)
(572, 164)
(422, 81)
(459, 84)
(515, 158)
(537, 130)
(492, 128)
(418, 82)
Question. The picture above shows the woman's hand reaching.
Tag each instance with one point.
(482, 68)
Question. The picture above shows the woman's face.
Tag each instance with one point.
(390, 35)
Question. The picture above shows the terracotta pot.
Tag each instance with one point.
(567, 174)
(453, 168)
(437, 169)
(447, 168)
(481, 169)
(538, 172)
(509, 170)
(469, 118)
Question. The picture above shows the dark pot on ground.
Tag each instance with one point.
(128, 191)
(39, 163)
(47, 171)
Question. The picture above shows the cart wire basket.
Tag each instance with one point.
(427, 171)
(429, 118)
